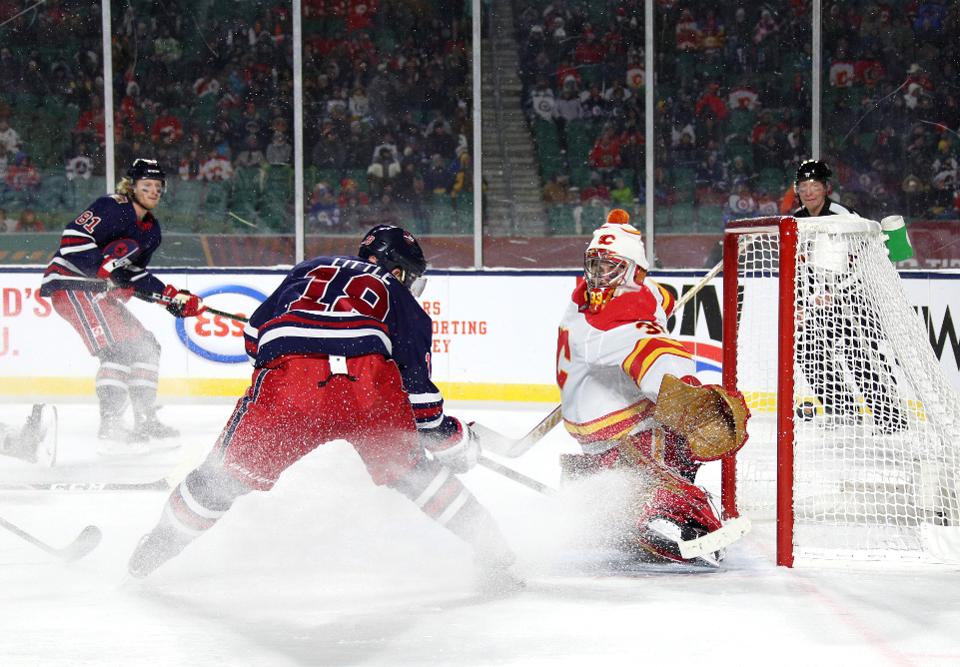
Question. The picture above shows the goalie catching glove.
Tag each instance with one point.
(711, 419)
(181, 303)
(454, 445)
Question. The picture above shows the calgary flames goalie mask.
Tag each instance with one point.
(615, 261)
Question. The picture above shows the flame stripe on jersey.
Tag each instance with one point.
(647, 351)
(611, 426)
(667, 300)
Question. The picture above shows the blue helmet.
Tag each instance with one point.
(394, 248)
(144, 168)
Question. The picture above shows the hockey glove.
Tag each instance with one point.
(117, 256)
(181, 303)
(459, 451)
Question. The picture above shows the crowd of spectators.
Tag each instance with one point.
(733, 97)
(206, 87)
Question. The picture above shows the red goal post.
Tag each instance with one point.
(854, 427)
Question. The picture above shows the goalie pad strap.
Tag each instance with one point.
(713, 420)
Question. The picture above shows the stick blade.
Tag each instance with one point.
(84, 543)
(492, 441)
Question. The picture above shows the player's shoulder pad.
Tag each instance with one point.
(120, 199)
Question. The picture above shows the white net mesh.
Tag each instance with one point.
(876, 422)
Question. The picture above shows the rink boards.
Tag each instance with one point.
(494, 332)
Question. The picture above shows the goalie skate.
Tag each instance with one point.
(679, 524)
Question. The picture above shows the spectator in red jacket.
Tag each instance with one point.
(605, 154)
(166, 125)
(29, 222)
(711, 103)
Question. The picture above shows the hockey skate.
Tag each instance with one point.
(118, 440)
(154, 549)
(37, 440)
(148, 427)
(495, 576)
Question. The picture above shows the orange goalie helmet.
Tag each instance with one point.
(615, 261)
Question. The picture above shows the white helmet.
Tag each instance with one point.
(612, 259)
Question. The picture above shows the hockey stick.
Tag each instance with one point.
(153, 297)
(82, 544)
(516, 476)
(502, 445)
(157, 485)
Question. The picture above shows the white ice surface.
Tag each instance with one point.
(328, 569)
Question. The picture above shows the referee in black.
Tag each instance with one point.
(838, 326)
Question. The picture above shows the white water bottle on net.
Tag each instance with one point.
(854, 436)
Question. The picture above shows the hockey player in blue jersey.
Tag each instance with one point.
(101, 262)
(341, 349)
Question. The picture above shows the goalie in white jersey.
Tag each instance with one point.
(630, 398)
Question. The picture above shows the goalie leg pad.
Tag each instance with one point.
(711, 419)
(675, 524)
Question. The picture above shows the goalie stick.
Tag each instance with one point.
(81, 545)
(504, 446)
(516, 476)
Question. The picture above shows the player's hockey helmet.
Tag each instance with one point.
(813, 170)
(395, 248)
(143, 168)
(614, 260)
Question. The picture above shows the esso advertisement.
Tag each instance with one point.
(494, 333)
(215, 335)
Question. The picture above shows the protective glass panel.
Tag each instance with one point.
(51, 124)
(888, 118)
(207, 91)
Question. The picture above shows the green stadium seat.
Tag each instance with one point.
(579, 175)
(592, 217)
(683, 183)
(741, 123)
(444, 219)
(711, 217)
(579, 141)
(772, 180)
(662, 217)
(545, 133)
(216, 194)
(55, 191)
(683, 217)
(560, 220)
(84, 191)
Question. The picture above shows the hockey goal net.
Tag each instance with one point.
(854, 435)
